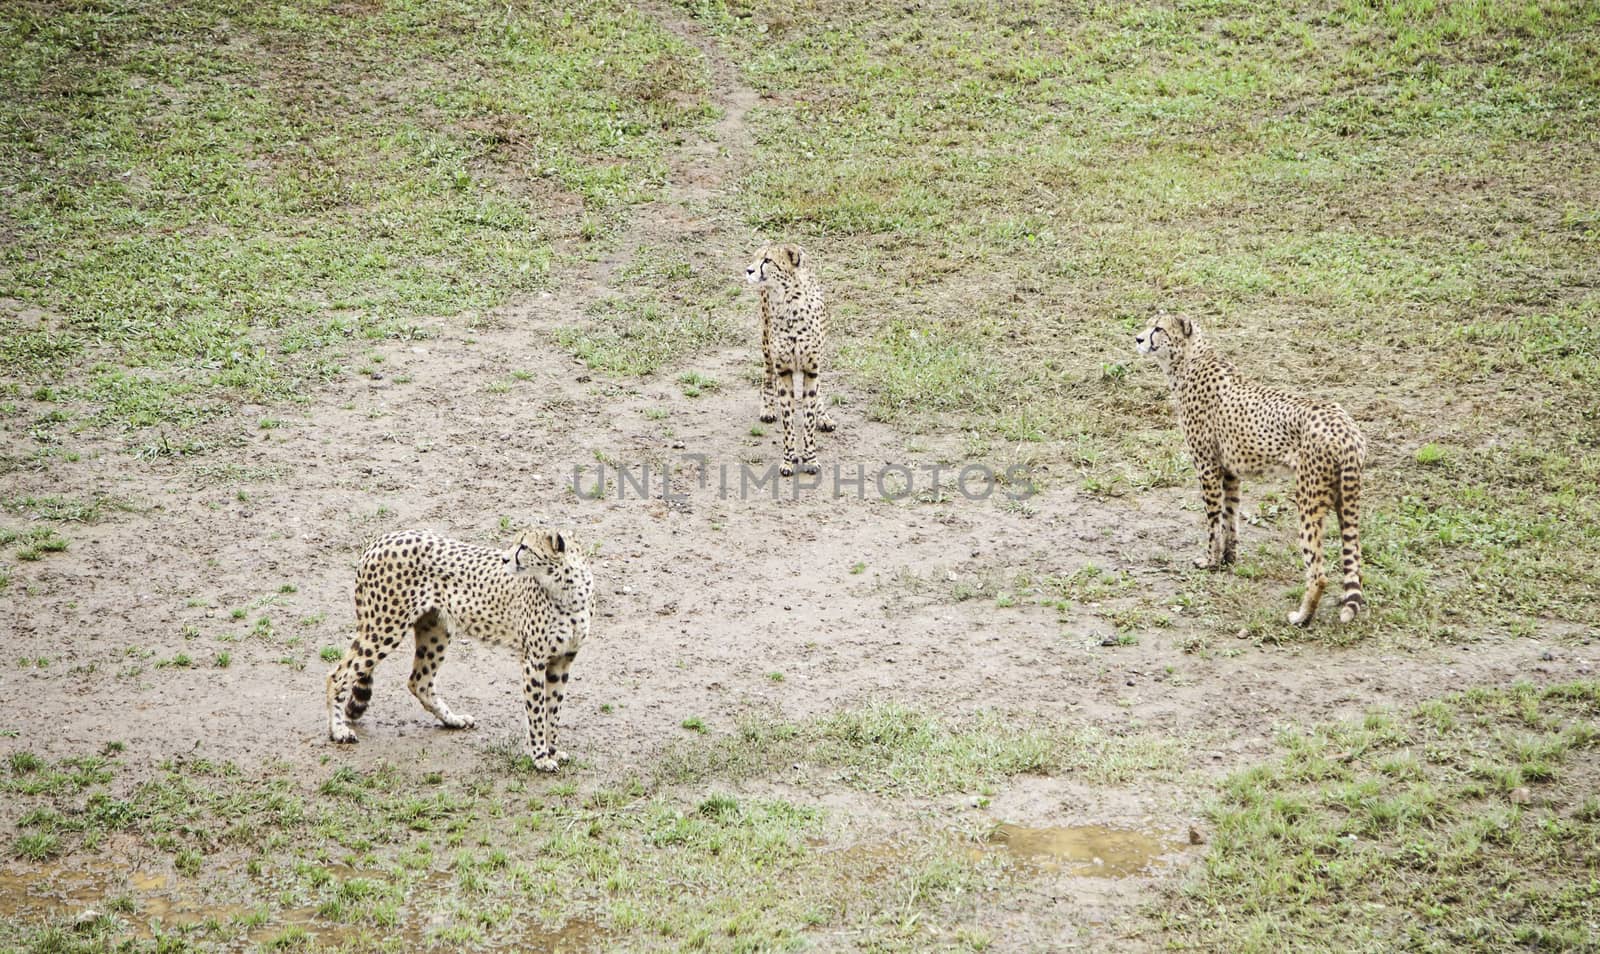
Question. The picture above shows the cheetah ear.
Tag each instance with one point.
(1185, 326)
(558, 543)
(796, 256)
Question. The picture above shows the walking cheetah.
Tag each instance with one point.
(794, 327)
(1236, 428)
(538, 596)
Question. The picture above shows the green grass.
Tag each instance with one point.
(36, 846)
(221, 196)
(889, 748)
(695, 384)
(63, 509)
(1466, 824)
(490, 857)
(675, 309)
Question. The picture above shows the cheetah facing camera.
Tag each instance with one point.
(1235, 428)
(794, 326)
(538, 596)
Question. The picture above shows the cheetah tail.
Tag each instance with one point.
(1352, 602)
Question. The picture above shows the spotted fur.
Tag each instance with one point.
(794, 327)
(538, 596)
(1235, 428)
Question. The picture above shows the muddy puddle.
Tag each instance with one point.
(1089, 851)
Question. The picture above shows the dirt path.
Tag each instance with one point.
(702, 600)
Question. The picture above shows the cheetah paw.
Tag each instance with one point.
(1204, 563)
(1298, 618)
(787, 470)
(1348, 614)
(545, 763)
(342, 734)
(561, 757)
(812, 468)
(769, 417)
(827, 425)
(459, 720)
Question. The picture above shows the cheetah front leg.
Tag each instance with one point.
(786, 402)
(433, 635)
(1211, 493)
(535, 686)
(556, 682)
(1313, 503)
(769, 382)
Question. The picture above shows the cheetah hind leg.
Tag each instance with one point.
(339, 679)
(433, 635)
(810, 415)
(350, 683)
(1313, 510)
(1230, 517)
(825, 422)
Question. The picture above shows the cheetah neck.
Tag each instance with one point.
(568, 600)
(1195, 374)
(776, 292)
(1179, 367)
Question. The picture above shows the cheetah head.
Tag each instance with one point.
(776, 263)
(1168, 336)
(556, 561)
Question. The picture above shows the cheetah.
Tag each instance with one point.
(1235, 428)
(538, 596)
(794, 327)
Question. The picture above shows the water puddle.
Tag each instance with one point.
(1085, 851)
(54, 891)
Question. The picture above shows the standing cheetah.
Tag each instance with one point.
(538, 596)
(1236, 428)
(794, 327)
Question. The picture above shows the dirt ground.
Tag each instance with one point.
(700, 599)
